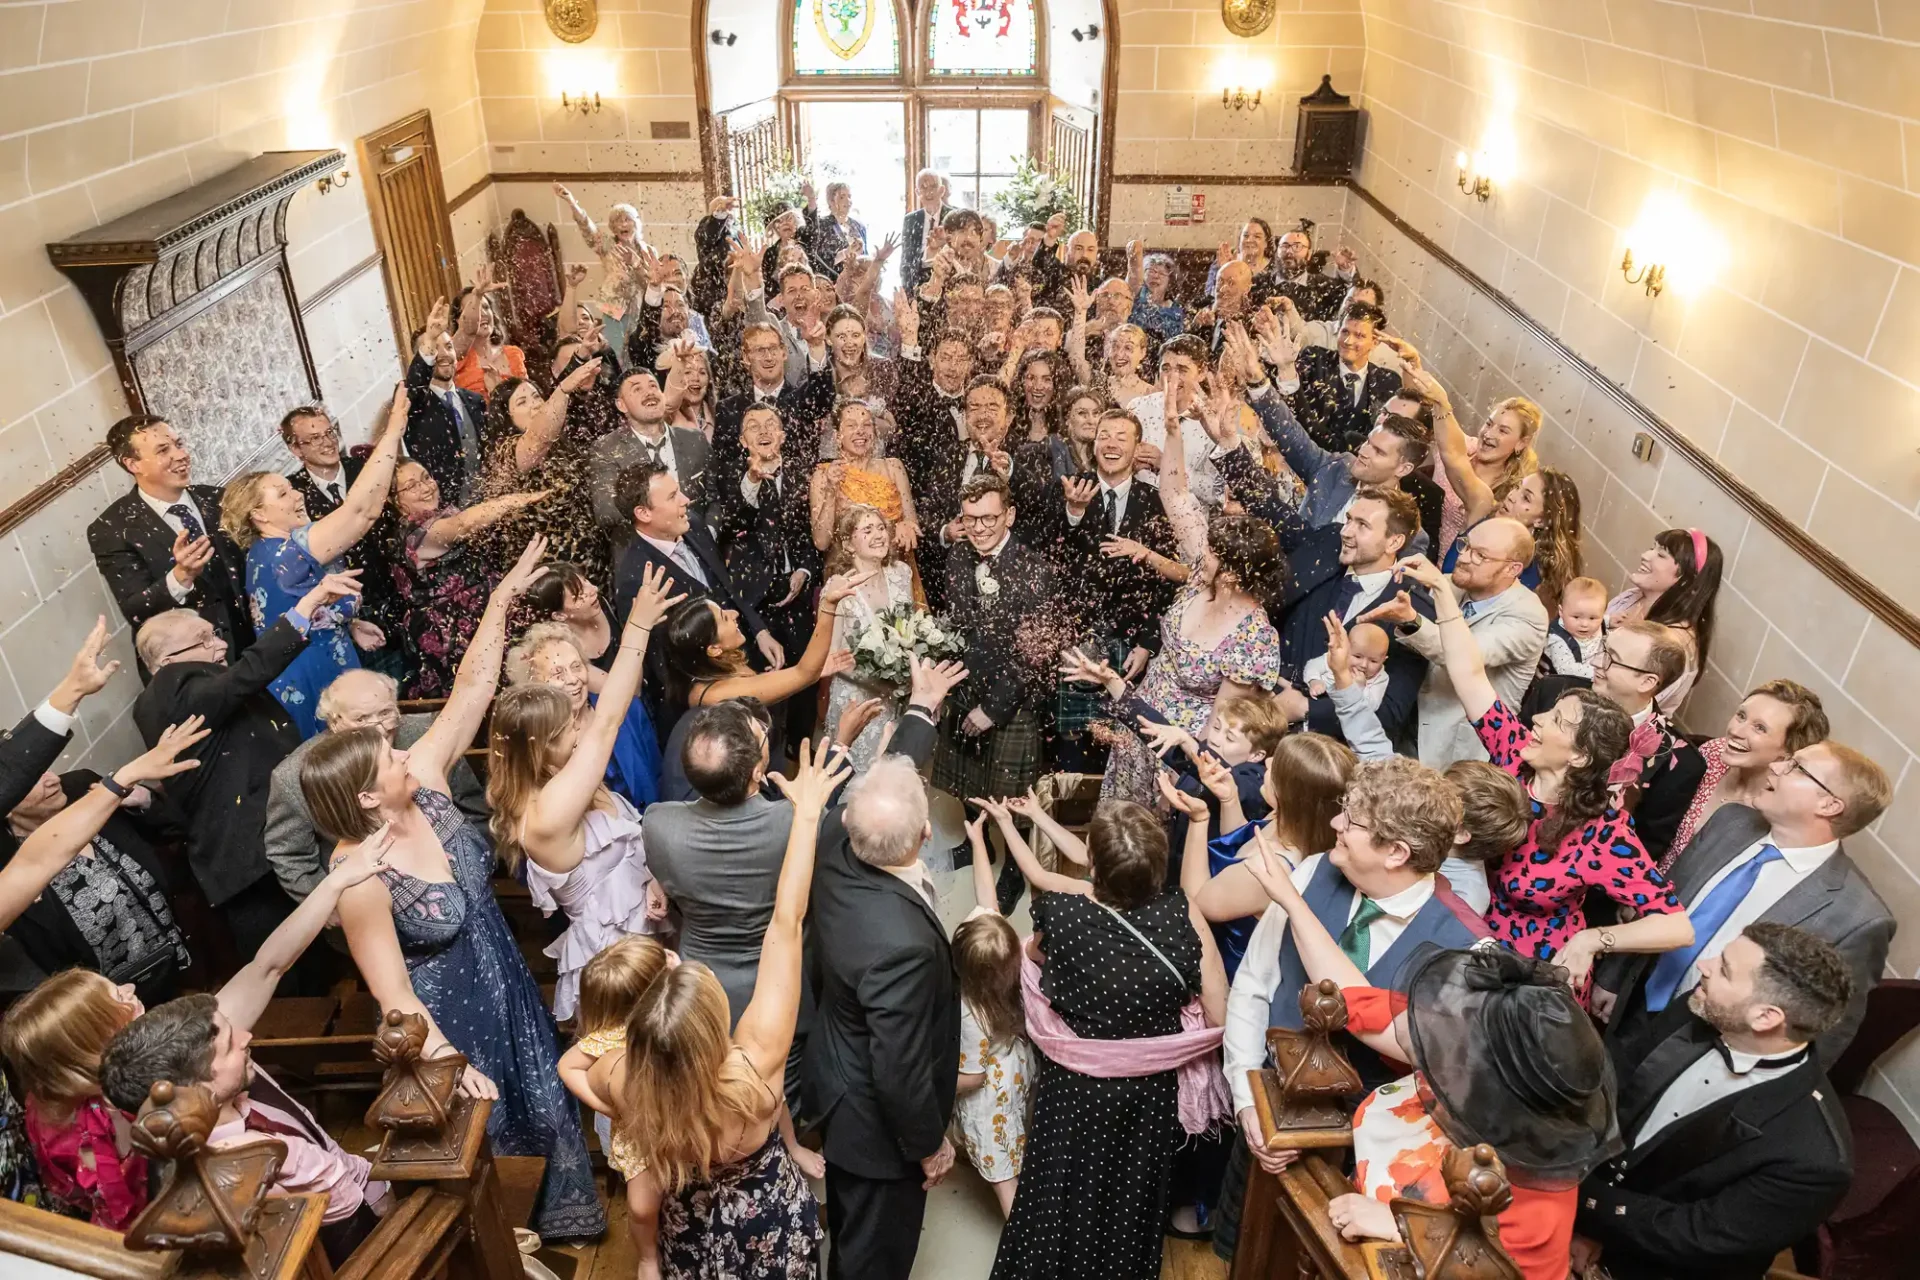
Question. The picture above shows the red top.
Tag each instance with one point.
(469, 376)
(84, 1167)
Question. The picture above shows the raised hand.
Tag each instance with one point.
(438, 318)
(1180, 801)
(1082, 300)
(991, 806)
(1240, 353)
(842, 585)
(815, 780)
(721, 206)
(1397, 610)
(1002, 463)
(1339, 651)
(839, 662)
(335, 586)
(932, 682)
(906, 314)
(367, 860)
(1117, 548)
(887, 248)
(1079, 494)
(576, 274)
(1270, 867)
(1080, 669)
(1026, 806)
(1215, 776)
(159, 762)
(86, 674)
(514, 583)
(855, 719)
(1421, 570)
(581, 377)
(1344, 260)
(190, 556)
(652, 602)
(1056, 227)
(1163, 737)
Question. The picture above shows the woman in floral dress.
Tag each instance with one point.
(1578, 838)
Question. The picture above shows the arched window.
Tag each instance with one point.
(834, 38)
(978, 39)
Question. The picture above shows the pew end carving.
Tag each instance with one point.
(1302, 1098)
(1459, 1240)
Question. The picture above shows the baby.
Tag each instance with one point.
(1368, 644)
(1575, 636)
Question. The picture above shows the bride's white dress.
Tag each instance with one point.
(847, 689)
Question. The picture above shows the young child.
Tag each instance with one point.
(1576, 634)
(610, 984)
(996, 1061)
(1367, 645)
(1495, 815)
(1241, 733)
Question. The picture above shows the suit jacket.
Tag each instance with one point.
(618, 450)
(1317, 587)
(1119, 599)
(1327, 473)
(434, 438)
(880, 1065)
(913, 246)
(378, 603)
(826, 241)
(1511, 630)
(801, 405)
(298, 852)
(1315, 294)
(1324, 407)
(249, 732)
(929, 424)
(1003, 681)
(27, 751)
(133, 548)
(1836, 903)
(764, 541)
(707, 288)
(1667, 787)
(626, 585)
(1716, 1194)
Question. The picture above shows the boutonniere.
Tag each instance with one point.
(983, 579)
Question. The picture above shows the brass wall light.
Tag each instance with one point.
(1652, 274)
(1473, 178)
(333, 180)
(1238, 99)
(580, 102)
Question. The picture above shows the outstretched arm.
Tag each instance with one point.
(1176, 492)
(1042, 880)
(531, 449)
(1474, 493)
(339, 529)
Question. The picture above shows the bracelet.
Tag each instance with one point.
(1606, 942)
(108, 781)
(1452, 617)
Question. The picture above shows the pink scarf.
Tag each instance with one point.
(1204, 1099)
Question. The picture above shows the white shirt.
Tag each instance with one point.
(919, 879)
(1202, 477)
(1257, 981)
(1706, 1082)
(1119, 492)
(336, 488)
(662, 449)
(766, 395)
(750, 490)
(1775, 881)
(1371, 585)
(160, 508)
(1359, 387)
(681, 554)
(1318, 669)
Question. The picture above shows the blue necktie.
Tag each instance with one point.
(1714, 909)
(188, 520)
(1468, 608)
(1344, 596)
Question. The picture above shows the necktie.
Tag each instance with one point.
(976, 462)
(1708, 916)
(1344, 596)
(333, 492)
(1468, 608)
(188, 520)
(1110, 511)
(453, 405)
(1352, 383)
(1357, 939)
(1765, 1064)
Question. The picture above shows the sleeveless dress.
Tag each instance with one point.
(621, 1157)
(1093, 1198)
(466, 969)
(753, 1219)
(605, 897)
(279, 572)
(847, 689)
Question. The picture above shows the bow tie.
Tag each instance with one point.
(1764, 1064)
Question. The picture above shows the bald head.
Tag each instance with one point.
(1495, 554)
(360, 699)
(178, 635)
(886, 813)
(1514, 538)
(1230, 290)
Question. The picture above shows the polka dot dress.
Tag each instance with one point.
(1093, 1187)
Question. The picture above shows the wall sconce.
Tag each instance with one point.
(580, 102)
(1238, 100)
(1092, 32)
(1654, 274)
(726, 38)
(333, 180)
(1473, 178)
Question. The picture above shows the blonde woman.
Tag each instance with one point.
(701, 1109)
(857, 476)
(555, 654)
(552, 809)
(863, 548)
(287, 553)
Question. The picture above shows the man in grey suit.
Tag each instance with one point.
(358, 699)
(644, 436)
(1780, 862)
(1508, 623)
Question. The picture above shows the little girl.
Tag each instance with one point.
(54, 1036)
(996, 1060)
(610, 985)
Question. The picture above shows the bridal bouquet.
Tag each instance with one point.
(881, 650)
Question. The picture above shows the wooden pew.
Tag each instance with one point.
(71, 1247)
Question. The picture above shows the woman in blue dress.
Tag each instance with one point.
(428, 936)
(287, 554)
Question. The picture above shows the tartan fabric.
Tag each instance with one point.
(1001, 762)
(1078, 705)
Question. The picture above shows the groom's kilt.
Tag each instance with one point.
(1004, 761)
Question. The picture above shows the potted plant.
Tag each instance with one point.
(1033, 196)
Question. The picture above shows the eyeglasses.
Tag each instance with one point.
(1353, 824)
(213, 637)
(311, 438)
(1470, 554)
(982, 522)
(1794, 765)
(1608, 658)
(413, 485)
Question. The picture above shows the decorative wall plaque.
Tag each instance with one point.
(1247, 17)
(573, 20)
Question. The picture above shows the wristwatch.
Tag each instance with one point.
(107, 781)
(1606, 942)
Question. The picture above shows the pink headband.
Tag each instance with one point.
(1699, 550)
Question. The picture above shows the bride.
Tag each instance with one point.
(863, 543)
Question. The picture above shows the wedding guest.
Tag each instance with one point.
(645, 439)
(323, 478)
(1155, 309)
(1315, 295)
(554, 815)
(160, 547)
(1338, 394)
(858, 477)
(1661, 769)
(618, 244)
(480, 340)
(443, 418)
(1774, 721)
(1675, 584)
(1576, 633)
(288, 551)
(549, 654)
(527, 445)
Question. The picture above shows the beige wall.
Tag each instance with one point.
(106, 105)
(1799, 146)
(1176, 56)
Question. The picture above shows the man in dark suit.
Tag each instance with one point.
(931, 407)
(1737, 1146)
(1339, 393)
(879, 1069)
(323, 479)
(801, 406)
(664, 535)
(829, 238)
(1120, 601)
(764, 529)
(1635, 662)
(1315, 294)
(444, 422)
(160, 547)
(224, 801)
(644, 436)
(999, 593)
(1783, 861)
(930, 188)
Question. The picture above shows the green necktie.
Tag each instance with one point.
(1357, 939)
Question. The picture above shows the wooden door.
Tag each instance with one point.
(408, 201)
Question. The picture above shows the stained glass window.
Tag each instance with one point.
(982, 38)
(845, 38)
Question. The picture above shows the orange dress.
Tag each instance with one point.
(469, 376)
(877, 489)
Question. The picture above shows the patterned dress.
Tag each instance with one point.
(445, 597)
(19, 1177)
(1093, 1197)
(1715, 754)
(1539, 895)
(279, 572)
(1181, 683)
(470, 975)
(990, 1124)
(90, 1171)
(846, 689)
